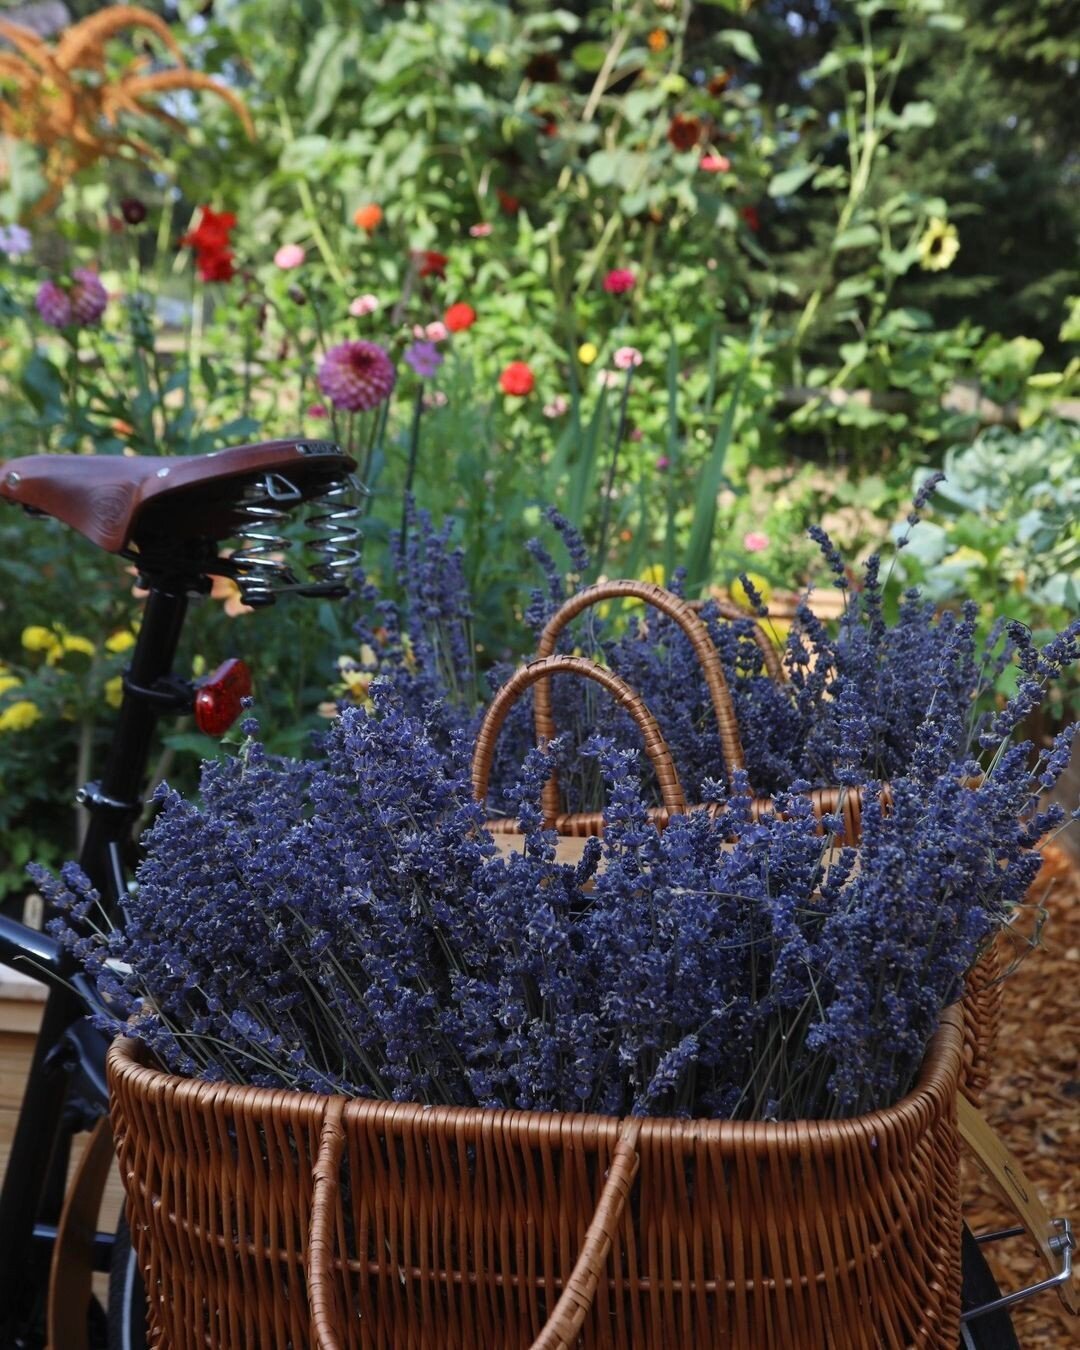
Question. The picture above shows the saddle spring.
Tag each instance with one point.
(326, 544)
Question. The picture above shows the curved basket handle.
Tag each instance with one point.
(319, 1258)
(539, 673)
(694, 628)
(568, 1316)
(774, 666)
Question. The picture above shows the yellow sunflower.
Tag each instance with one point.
(939, 245)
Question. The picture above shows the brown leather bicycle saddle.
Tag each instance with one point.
(112, 499)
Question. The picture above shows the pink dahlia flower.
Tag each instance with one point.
(289, 256)
(88, 297)
(754, 541)
(363, 304)
(619, 280)
(627, 357)
(357, 376)
(53, 304)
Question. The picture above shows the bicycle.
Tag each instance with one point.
(172, 518)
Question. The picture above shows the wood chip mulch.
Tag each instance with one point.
(1033, 1100)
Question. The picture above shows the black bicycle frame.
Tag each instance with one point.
(32, 1196)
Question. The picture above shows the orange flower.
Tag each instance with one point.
(368, 217)
(658, 40)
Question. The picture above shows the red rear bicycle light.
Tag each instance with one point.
(219, 700)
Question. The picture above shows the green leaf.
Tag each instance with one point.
(898, 261)
(43, 383)
(304, 156)
(788, 181)
(834, 176)
(949, 23)
(589, 56)
(857, 236)
(851, 288)
(699, 549)
(741, 43)
(916, 114)
(638, 103)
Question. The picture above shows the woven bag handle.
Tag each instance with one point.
(567, 1317)
(694, 628)
(539, 673)
(319, 1259)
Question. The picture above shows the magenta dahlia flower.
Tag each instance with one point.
(88, 296)
(357, 376)
(82, 302)
(53, 304)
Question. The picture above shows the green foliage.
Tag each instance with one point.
(1006, 525)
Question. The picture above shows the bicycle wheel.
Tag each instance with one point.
(127, 1297)
(978, 1287)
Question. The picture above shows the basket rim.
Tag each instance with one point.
(934, 1094)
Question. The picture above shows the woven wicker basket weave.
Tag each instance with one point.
(457, 1228)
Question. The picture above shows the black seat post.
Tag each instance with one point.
(115, 801)
(35, 1179)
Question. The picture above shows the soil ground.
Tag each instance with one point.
(1033, 1099)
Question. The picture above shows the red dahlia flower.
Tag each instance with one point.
(517, 379)
(432, 264)
(459, 317)
(684, 132)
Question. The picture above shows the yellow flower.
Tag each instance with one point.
(654, 573)
(9, 682)
(114, 691)
(939, 245)
(71, 643)
(19, 715)
(38, 639)
(121, 641)
(737, 590)
(587, 353)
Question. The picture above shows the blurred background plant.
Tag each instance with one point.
(698, 274)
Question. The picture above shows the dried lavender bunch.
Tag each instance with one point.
(851, 712)
(346, 925)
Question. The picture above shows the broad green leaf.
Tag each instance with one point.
(589, 56)
(741, 43)
(699, 549)
(916, 114)
(304, 156)
(638, 103)
(851, 288)
(788, 181)
(857, 236)
(833, 176)
(42, 382)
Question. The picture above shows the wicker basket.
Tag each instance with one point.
(454, 1228)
